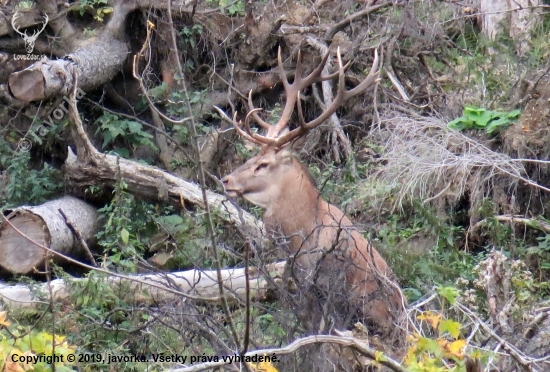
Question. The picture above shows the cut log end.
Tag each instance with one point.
(17, 254)
(27, 85)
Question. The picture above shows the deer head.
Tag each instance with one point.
(261, 180)
(29, 39)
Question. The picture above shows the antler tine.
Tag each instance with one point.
(293, 98)
(291, 90)
(333, 75)
(371, 78)
(46, 19)
(13, 19)
(242, 132)
(253, 111)
(301, 119)
(341, 96)
(273, 130)
(263, 140)
(314, 75)
(291, 94)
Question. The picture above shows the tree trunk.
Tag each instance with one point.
(522, 22)
(45, 225)
(97, 62)
(520, 13)
(493, 12)
(154, 288)
(147, 182)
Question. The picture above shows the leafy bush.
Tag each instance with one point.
(131, 131)
(480, 118)
(125, 219)
(23, 184)
(18, 345)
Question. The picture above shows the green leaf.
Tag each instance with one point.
(125, 235)
(498, 123)
(473, 110)
(449, 293)
(481, 120)
(513, 114)
(450, 326)
(134, 127)
(460, 123)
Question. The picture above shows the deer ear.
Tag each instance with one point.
(294, 147)
(298, 144)
(286, 154)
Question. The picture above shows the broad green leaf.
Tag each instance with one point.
(472, 110)
(513, 114)
(450, 326)
(125, 235)
(134, 127)
(460, 123)
(481, 120)
(449, 293)
(498, 123)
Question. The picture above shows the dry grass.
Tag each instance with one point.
(425, 160)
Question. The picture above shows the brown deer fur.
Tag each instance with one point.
(339, 272)
(323, 241)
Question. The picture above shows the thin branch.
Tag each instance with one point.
(202, 180)
(354, 17)
(78, 237)
(352, 342)
(516, 354)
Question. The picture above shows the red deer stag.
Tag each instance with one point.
(325, 249)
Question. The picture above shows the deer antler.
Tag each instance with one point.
(46, 19)
(35, 32)
(293, 98)
(13, 19)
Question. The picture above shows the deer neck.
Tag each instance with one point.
(295, 211)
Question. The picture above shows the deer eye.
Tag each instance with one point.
(260, 167)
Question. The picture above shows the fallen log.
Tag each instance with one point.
(46, 225)
(89, 167)
(152, 288)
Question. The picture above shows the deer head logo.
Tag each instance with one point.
(29, 39)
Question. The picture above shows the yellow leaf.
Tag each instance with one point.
(10, 366)
(379, 356)
(432, 318)
(442, 343)
(27, 366)
(456, 348)
(410, 358)
(3, 320)
(263, 367)
(59, 340)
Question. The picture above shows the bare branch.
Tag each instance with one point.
(352, 342)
